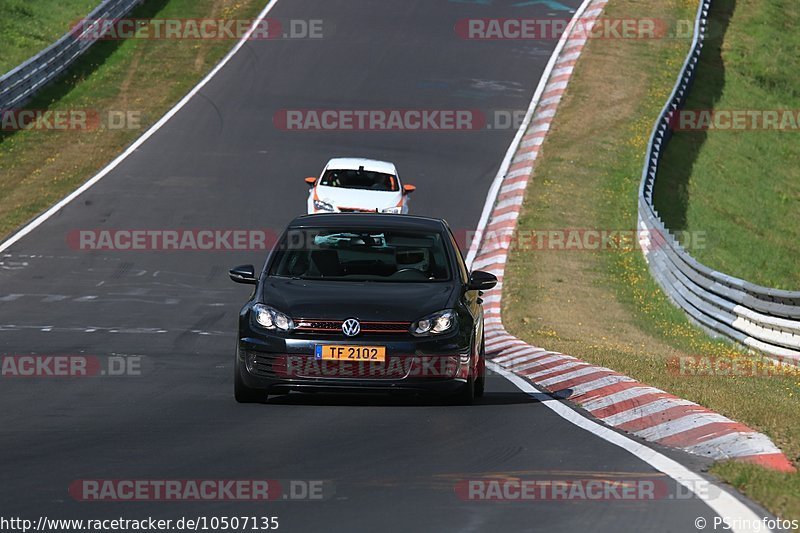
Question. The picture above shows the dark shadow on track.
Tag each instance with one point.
(396, 400)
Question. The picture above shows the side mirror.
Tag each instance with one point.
(311, 181)
(481, 281)
(243, 274)
(408, 189)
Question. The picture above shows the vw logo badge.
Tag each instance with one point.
(351, 327)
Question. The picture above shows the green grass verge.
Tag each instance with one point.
(28, 26)
(112, 75)
(742, 188)
(603, 306)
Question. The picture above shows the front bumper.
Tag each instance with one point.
(277, 364)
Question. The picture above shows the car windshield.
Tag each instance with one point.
(360, 179)
(361, 255)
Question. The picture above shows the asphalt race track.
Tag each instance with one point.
(389, 464)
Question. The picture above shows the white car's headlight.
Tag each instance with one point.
(396, 210)
(270, 318)
(434, 324)
(319, 205)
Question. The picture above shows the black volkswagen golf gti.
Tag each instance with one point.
(371, 302)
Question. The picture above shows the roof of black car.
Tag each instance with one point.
(367, 220)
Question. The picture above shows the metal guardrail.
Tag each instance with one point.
(19, 85)
(766, 320)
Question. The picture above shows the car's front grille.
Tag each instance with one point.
(394, 367)
(356, 210)
(305, 325)
(309, 367)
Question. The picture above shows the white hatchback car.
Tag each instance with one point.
(351, 185)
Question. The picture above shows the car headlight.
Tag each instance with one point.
(319, 205)
(396, 210)
(435, 324)
(267, 317)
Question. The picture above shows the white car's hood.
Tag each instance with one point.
(358, 198)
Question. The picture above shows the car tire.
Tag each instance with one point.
(480, 381)
(466, 395)
(241, 392)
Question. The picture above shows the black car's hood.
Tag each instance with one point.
(365, 301)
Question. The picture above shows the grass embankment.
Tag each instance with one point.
(742, 187)
(603, 306)
(38, 167)
(27, 27)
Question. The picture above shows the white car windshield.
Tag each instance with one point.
(360, 179)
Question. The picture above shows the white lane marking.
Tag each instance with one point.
(494, 190)
(38, 221)
(52, 298)
(719, 500)
(13, 265)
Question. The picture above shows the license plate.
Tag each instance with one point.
(339, 352)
